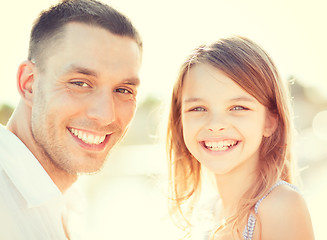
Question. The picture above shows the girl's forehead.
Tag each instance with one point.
(206, 80)
(205, 74)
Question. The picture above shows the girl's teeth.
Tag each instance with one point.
(84, 138)
(220, 146)
(79, 134)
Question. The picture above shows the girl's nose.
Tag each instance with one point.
(217, 123)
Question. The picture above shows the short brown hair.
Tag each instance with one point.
(50, 23)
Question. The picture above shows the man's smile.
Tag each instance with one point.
(88, 137)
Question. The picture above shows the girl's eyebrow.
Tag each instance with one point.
(236, 99)
(191, 100)
(243, 99)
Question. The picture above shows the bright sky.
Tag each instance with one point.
(293, 32)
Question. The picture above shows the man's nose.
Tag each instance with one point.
(102, 108)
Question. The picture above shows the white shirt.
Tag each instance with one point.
(31, 205)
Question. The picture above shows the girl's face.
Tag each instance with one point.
(223, 125)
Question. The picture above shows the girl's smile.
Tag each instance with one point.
(219, 146)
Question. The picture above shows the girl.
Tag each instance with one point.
(230, 114)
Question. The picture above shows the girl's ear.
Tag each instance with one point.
(270, 124)
(25, 81)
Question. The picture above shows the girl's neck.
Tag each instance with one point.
(231, 188)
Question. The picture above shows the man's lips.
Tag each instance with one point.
(88, 140)
(87, 137)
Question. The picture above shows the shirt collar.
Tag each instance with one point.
(25, 171)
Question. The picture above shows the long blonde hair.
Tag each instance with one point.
(248, 65)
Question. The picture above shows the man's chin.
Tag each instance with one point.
(88, 171)
(83, 170)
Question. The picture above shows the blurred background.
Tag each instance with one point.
(127, 199)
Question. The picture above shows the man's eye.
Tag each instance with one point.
(80, 84)
(123, 90)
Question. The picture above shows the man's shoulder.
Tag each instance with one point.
(10, 144)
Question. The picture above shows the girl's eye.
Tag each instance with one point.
(198, 109)
(238, 108)
(123, 91)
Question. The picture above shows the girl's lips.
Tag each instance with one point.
(221, 146)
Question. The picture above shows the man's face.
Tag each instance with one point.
(84, 99)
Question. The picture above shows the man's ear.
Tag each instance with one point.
(25, 81)
(270, 124)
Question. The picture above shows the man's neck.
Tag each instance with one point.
(22, 129)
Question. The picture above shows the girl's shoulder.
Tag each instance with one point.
(281, 197)
(284, 215)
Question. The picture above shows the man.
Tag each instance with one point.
(78, 90)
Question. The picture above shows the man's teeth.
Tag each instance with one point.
(221, 145)
(87, 137)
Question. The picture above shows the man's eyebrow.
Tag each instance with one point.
(135, 81)
(79, 69)
(132, 81)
